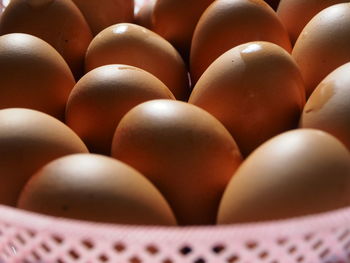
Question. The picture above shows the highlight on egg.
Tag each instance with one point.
(297, 173)
(44, 19)
(96, 188)
(103, 96)
(30, 139)
(33, 75)
(255, 89)
(328, 107)
(184, 151)
(323, 45)
(226, 24)
(137, 46)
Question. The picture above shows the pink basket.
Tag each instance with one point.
(28, 238)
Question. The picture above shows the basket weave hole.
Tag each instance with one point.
(31, 233)
(152, 249)
(251, 245)
(103, 258)
(167, 260)
(45, 247)
(119, 247)
(317, 244)
(185, 250)
(73, 254)
(300, 259)
(344, 235)
(35, 255)
(347, 245)
(199, 260)
(308, 237)
(282, 241)
(233, 259)
(57, 239)
(87, 244)
(263, 254)
(292, 249)
(219, 248)
(324, 253)
(135, 259)
(20, 239)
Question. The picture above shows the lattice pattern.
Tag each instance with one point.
(30, 238)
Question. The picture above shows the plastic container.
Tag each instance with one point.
(30, 238)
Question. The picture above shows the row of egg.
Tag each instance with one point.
(254, 89)
(202, 31)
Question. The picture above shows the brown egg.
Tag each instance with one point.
(103, 13)
(143, 17)
(184, 151)
(295, 14)
(226, 24)
(176, 20)
(323, 45)
(28, 140)
(255, 90)
(273, 3)
(58, 22)
(33, 75)
(137, 46)
(328, 107)
(103, 96)
(97, 188)
(297, 173)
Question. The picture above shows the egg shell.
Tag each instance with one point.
(297, 173)
(328, 107)
(103, 13)
(255, 90)
(184, 151)
(226, 24)
(137, 46)
(103, 96)
(323, 45)
(176, 20)
(144, 15)
(44, 18)
(28, 140)
(96, 188)
(33, 75)
(273, 3)
(295, 14)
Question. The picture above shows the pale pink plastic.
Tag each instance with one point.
(31, 238)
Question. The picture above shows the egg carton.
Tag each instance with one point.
(31, 238)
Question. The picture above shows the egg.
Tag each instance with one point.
(323, 45)
(33, 75)
(273, 3)
(143, 17)
(255, 90)
(226, 24)
(58, 22)
(103, 96)
(184, 151)
(96, 188)
(137, 46)
(30, 139)
(295, 14)
(103, 13)
(176, 20)
(297, 173)
(328, 107)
